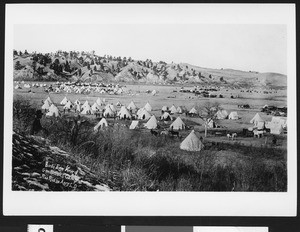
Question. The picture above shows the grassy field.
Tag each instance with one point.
(133, 160)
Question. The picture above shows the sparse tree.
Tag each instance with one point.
(208, 112)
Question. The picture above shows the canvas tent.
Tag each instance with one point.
(68, 105)
(152, 123)
(64, 101)
(148, 107)
(49, 100)
(256, 119)
(193, 111)
(179, 110)
(99, 101)
(279, 120)
(164, 108)
(191, 143)
(95, 107)
(144, 115)
(46, 105)
(173, 110)
(131, 106)
(276, 129)
(101, 124)
(86, 110)
(166, 116)
(178, 124)
(53, 111)
(108, 112)
(233, 115)
(221, 114)
(124, 113)
(134, 124)
(211, 123)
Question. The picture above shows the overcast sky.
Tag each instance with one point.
(260, 48)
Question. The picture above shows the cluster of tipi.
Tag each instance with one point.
(276, 126)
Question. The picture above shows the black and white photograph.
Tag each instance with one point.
(131, 106)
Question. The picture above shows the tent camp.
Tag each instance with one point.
(191, 143)
(256, 119)
(134, 125)
(148, 107)
(144, 115)
(131, 106)
(53, 111)
(233, 115)
(178, 124)
(64, 101)
(124, 113)
(166, 117)
(221, 114)
(173, 110)
(101, 124)
(152, 123)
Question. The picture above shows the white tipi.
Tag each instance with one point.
(191, 143)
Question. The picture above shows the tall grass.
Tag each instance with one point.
(129, 160)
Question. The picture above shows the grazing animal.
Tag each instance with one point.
(232, 136)
(258, 133)
(174, 133)
(153, 132)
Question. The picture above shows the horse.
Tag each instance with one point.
(257, 133)
(232, 136)
(174, 133)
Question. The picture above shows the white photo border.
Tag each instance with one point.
(19, 203)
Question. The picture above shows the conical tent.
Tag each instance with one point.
(86, 110)
(134, 124)
(191, 143)
(95, 107)
(86, 103)
(164, 108)
(124, 113)
(108, 112)
(178, 124)
(46, 105)
(99, 101)
(68, 105)
(131, 106)
(152, 123)
(173, 109)
(193, 111)
(276, 129)
(113, 108)
(166, 116)
(49, 100)
(101, 124)
(144, 115)
(179, 110)
(222, 114)
(64, 101)
(53, 111)
(256, 119)
(233, 115)
(148, 107)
